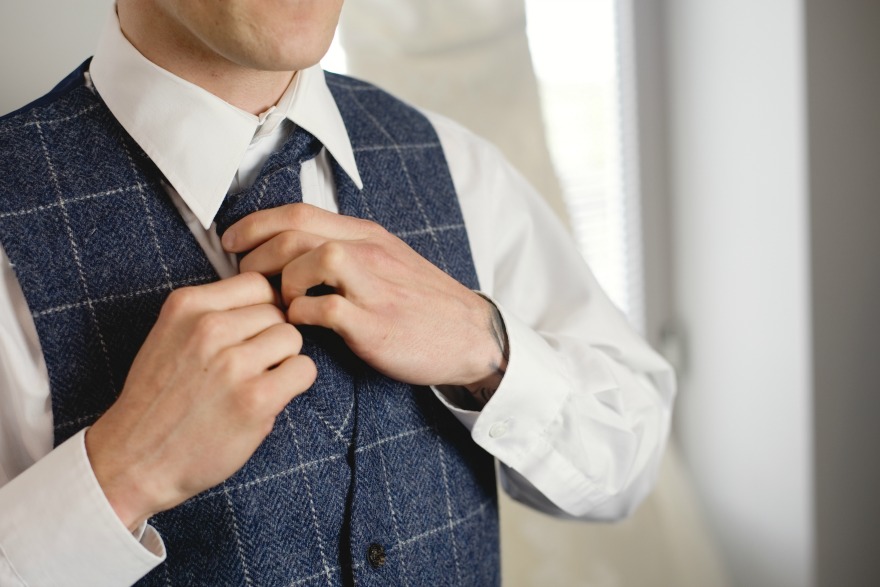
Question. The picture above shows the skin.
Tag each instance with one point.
(222, 360)
(204, 380)
(244, 51)
(397, 311)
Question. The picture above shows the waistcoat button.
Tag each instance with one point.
(376, 555)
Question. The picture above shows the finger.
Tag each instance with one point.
(288, 380)
(246, 289)
(265, 350)
(271, 257)
(331, 311)
(255, 229)
(329, 264)
(223, 329)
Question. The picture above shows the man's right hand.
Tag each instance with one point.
(203, 392)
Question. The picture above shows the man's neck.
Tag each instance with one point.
(163, 43)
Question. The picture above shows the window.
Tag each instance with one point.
(576, 50)
(580, 62)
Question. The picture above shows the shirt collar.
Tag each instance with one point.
(196, 139)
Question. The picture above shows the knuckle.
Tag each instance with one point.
(288, 243)
(181, 301)
(332, 308)
(372, 228)
(292, 334)
(289, 289)
(231, 365)
(294, 311)
(331, 255)
(250, 401)
(257, 285)
(211, 325)
(245, 263)
(253, 280)
(277, 314)
(300, 373)
(296, 215)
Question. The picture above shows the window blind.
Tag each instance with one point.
(580, 53)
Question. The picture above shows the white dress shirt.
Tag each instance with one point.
(579, 421)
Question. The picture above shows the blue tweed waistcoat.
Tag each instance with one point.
(364, 480)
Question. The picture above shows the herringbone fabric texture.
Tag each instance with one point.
(358, 460)
(277, 184)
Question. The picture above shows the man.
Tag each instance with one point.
(177, 385)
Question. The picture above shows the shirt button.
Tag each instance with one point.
(498, 429)
(376, 555)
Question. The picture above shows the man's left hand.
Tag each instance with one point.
(402, 315)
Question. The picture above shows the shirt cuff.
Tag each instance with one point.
(516, 425)
(57, 527)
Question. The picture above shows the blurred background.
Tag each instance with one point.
(718, 163)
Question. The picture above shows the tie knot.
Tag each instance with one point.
(277, 184)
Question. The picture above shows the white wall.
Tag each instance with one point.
(738, 182)
(41, 41)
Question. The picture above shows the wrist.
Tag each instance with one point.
(120, 484)
(495, 359)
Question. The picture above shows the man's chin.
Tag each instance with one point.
(292, 60)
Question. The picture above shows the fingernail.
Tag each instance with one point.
(228, 239)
